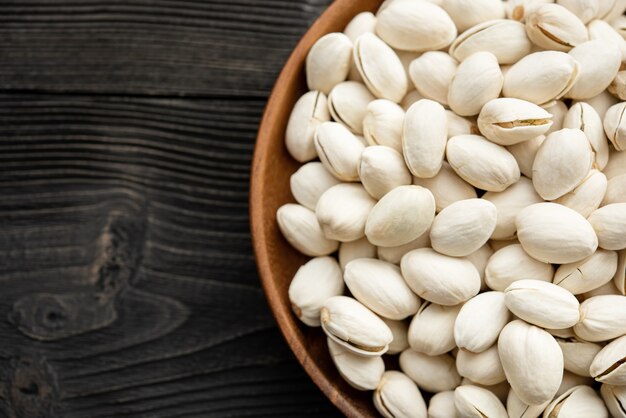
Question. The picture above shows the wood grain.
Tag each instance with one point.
(128, 283)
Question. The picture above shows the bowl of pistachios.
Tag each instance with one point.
(438, 207)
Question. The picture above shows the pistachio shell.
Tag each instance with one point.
(424, 138)
(602, 318)
(339, 150)
(602, 102)
(518, 409)
(578, 354)
(382, 169)
(410, 98)
(517, 9)
(609, 222)
(343, 210)
(441, 405)
(398, 397)
(362, 373)
(432, 74)
(587, 196)
(601, 30)
(586, 10)
(354, 250)
(525, 153)
(615, 399)
(432, 329)
(588, 274)
(382, 124)
(552, 26)
(611, 9)
(309, 182)
(501, 390)
(467, 14)
(400, 331)
(484, 368)
(578, 402)
(510, 264)
(301, 229)
(395, 254)
(360, 24)
(476, 402)
(584, 117)
(347, 104)
(447, 187)
(309, 111)
(558, 110)
(607, 289)
(480, 321)
(328, 62)
(431, 373)
(599, 63)
(609, 365)
(615, 125)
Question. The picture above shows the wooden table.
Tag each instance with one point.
(129, 286)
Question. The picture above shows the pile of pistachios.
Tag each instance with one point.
(463, 199)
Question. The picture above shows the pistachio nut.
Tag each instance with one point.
(342, 211)
(508, 121)
(541, 77)
(506, 39)
(588, 274)
(309, 182)
(362, 373)
(380, 68)
(313, 283)
(484, 368)
(424, 137)
(410, 98)
(602, 102)
(585, 118)
(516, 408)
(353, 326)
(603, 31)
(398, 397)
(439, 278)
(602, 318)
(301, 229)
(558, 109)
(379, 286)
(447, 187)
(353, 250)
(578, 354)
(432, 329)
(615, 399)
(463, 227)
(532, 361)
(382, 169)
(400, 331)
(587, 196)
(395, 254)
(467, 14)
(458, 125)
(480, 321)
(415, 26)
(431, 373)
(554, 233)
(551, 26)
(620, 276)
(328, 62)
(571, 380)
(401, 216)
(360, 24)
(309, 111)
(525, 153)
(615, 125)
(441, 405)
(609, 222)
(609, 365)
(578, 402)
(339, 150)
(478, 79)
(509, 203)
(542, 303)
(586, 10)
(432, 73)
(347, 104)
(382, 124)
(481, 163)
(512, 263)
(599, 63)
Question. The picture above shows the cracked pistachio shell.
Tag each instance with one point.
(439, 278)
(380, 68)
(618, 85)
(432, 74)
(601, 30)
(554, 233)
(447, 187)
(615, 399)
(602, 318)
(586, 10)
(587, 196)
(602, 102)
(476, 402)
(401, 216)
(477, 80)
(309, 182)
(551, 26)
(578, 402)
(609, 365)
(360, 24)
(518, 409)
(512, 263)
(467, 14)
(541, 77)
(506, 39)
(501, 390)
(431, 373)
(424, 137)
(415, 26)
(362, 373)
(379, 286)
(395, 254)
(328, 62)
(301, 229)
(585, 118)
(397, 396)
(480, 321)
(354, 327)
(563, 162)
(588, 274)
(482, 163)
(432, 329)
(343, 210)
(400, 331)
(609, 222)
(508, 121)
(441, 405)
(578, 354)
(542, 303)
(463, 227)
(309, 111)
(339, 150)
(508, 204)
(620, 276)
(615, 125)
(599, 63)
(382, 124)
(615, 191)
(532, 361)
(382, 169)
(558, 109)
(525, 153)
(354, 250)
(347, 104)
(484, 368)
(313, 283)
(458, 125)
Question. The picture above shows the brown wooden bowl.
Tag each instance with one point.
(277, 261)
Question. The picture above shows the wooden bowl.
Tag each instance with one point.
(277, 260)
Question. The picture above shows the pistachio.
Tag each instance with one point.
(400, 331)
(610, 9)
(410, 98)
(578, 354)
(382, 169)
(467, 14)
(484, 368)
(552, 26)
(360, 24)
(602, 318)
(342, 211)
(441, 405)
(395, 254)
(398, 397)
(525, 153)
(587, 196)
(578, 402)
(588, 274)
(558, 110)
(362, 373)
(328, 62)
(602, 102)
(424, 138)
(501, 390)
(584, 117)
(518, 409)
(309, 182)
(401, 216)
(615, 125)
(512, 263)
(354, 327)
(615, 399)
(431, 373)
(432, 329)
(476, 402)
(447, 187)
(586, 10)
(606, 289)
(599, 63)
(301, 229)
(508, 121)
(339, 150)
(601, 30)
(432, 73)
(617, 164)
(517, 9)
(439, 278)
(309, 111)
(480, 321)
(571, 380)
(347, 103)
(477, 80)
(458, 125)
(354, 250)
(609, 222)
(382, 124)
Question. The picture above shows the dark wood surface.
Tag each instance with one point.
(129, 288)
